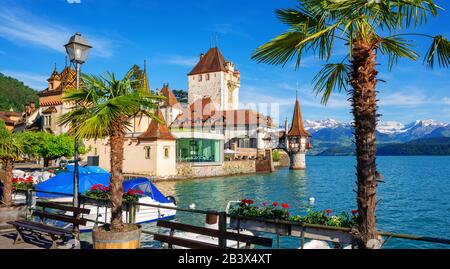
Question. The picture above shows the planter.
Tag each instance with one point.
(11, 214)
(103, 239)
(317, 233)
(260, 226)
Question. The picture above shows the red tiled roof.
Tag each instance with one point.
(157, 131)
(213, 61)
(297, 128)
(171, 99)
(203, 113)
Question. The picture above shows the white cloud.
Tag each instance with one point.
(25, 29)
(35, 81)
(181, 60)
(74, 1)
(446, 100)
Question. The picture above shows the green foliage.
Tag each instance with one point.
(316, 26)
(430, 146)
(105, 101)
(181, 95)
(275, 211)
(48, 146)
(14, 94)
(100, 192)
(276, 156)
(10, 146)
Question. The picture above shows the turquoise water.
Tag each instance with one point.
(415, 198)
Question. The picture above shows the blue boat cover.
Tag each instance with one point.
(63, 183)
(95, 170)
(146, 187)
(81, 169)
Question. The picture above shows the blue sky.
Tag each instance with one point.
(171, 34)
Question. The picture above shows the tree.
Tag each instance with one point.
(366, 28)
(181, 95)
(48, 146)
(105, 106)
(10, 151)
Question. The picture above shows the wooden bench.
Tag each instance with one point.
(55, 233)
(172, 240)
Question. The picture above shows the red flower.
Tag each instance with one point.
(94, 188)
(354, 212)
(275, 204)
(15, 180)
(131, 192)
(285, 206)
(247, 201)
(106, 189)
(140, 192)
(328, 211)
(50, 171)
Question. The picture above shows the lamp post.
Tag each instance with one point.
(78, 49)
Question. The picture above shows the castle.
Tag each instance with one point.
(191, 137)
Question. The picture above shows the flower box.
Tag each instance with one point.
(260, 226)
(317, 233)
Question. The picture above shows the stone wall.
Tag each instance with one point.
(189, 170)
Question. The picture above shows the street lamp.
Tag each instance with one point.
(78, 49)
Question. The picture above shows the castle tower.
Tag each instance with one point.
(217, 78)
(297, 140)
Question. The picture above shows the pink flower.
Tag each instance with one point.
(354, 212)
(264, 204)
(139, 192)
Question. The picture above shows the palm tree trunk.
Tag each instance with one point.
(117, 139)
(365, 120)
(7, 183)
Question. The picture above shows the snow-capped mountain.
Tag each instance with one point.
(386, 131)
(315, 126)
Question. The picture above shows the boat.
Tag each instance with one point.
(63, 185)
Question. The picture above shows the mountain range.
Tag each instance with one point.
(333, 137)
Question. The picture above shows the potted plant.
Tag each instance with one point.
(10, 151)
(105, 105)
(255, 217)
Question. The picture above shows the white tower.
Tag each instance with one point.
(217, 78)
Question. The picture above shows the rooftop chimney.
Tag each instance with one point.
(202, 55)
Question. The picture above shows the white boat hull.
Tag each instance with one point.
(144, 214)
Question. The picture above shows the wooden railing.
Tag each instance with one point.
(339, 236)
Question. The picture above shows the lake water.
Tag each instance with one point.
(415, 198)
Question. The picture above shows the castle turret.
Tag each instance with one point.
(216, 78)
(297, 140)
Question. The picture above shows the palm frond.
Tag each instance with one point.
(333, 76)
(396, 47)
(440, 49)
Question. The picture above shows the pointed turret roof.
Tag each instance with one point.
(157, 131)
(213, 61)
(171, 99)
(145, 83)
(297, 128)
(55, 75)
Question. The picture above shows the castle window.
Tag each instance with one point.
(147, 152)
(207, 76)
(166, 152)
(199, 77)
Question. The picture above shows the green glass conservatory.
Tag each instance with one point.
(199, 150)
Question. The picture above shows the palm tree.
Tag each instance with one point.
(10, 150)
(367, 28)
(105, 105)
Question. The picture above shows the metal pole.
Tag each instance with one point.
(222, 229)
(76, 229)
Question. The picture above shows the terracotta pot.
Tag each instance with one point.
(103, 239)
(11, 214)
